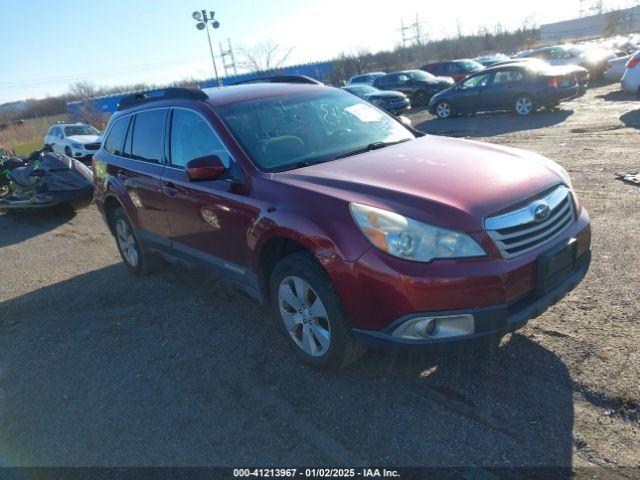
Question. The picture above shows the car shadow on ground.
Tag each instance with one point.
(491, 124)
(174, 369)
(617, 96)
(631, 119)
(20, 225)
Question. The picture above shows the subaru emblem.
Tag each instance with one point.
(541, 212)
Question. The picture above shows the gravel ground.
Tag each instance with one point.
(98, 367)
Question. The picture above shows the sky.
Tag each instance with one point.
(46, 46)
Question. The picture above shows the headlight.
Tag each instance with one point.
(409, 239)
(76, 146)
(565, 177)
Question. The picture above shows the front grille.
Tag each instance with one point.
(519, 231)
(92, 146)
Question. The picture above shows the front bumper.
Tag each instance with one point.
(493, 321)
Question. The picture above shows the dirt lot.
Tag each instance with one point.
(98, 367)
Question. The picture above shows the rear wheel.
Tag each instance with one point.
(133, 255)
(443, 109)
(310, 314)
(523, 105)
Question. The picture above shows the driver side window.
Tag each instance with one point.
(475, 82)
(192, 137)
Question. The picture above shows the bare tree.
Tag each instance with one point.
(83, 90)
(265, 56)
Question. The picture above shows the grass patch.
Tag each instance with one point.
(26, 138)
(26, 148)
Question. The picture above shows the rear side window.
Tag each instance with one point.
(192, 137)
(508, 76)
(147, 142)
(115, 138)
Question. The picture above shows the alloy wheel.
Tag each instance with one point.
(127, 242)
(443, 110)
(524, 105)
(304, 316)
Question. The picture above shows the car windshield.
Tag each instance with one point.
(285, 132)
(420, 75)
(361, 89)
(80, 130)
(470, 65)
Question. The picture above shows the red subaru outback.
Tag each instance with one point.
(357, 229)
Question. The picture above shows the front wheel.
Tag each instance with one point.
(310, 313)
(443, 109)
(523, 105)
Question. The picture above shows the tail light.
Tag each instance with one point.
(553, 82)
(633, 61)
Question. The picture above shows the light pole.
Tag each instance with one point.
(203, 20)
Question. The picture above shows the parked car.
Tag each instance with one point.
(592, 58)
(582, 74)
(631, 78)
(76, 140)
(419, 86)
(521, 89)
(456, 69)
(366, 78)
(489, 60)
(392, 101)
(615, 69)
(358, 230)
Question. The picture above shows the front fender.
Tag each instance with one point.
(329, 244)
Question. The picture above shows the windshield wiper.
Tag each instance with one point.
(371, 146)
(299, 164)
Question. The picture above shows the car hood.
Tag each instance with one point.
(444, 181)
(85, 138)
(387, 95)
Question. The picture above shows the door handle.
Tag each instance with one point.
(169, 189)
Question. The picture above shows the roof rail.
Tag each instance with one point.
(141, 98)
(282, 79)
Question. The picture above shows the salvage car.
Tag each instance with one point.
(521, 89)
(357, 230)
(456, 69)
(582, 74)
(631, 78)
(419, 86)
(75, 140)
(593, 59)
(365, 78)
(391, 101)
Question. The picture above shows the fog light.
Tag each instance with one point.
(420, 328)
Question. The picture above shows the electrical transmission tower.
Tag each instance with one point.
(412, 33)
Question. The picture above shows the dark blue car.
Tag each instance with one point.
(389, 100)
(519, 88)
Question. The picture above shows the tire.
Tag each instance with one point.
(67, 152)
(330, 342)
(443, 110)
(138, 261)
(524, 105)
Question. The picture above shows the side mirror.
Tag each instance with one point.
(406, 121)
(205, 168)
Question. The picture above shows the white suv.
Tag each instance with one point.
(76, 140)
(631, 77)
